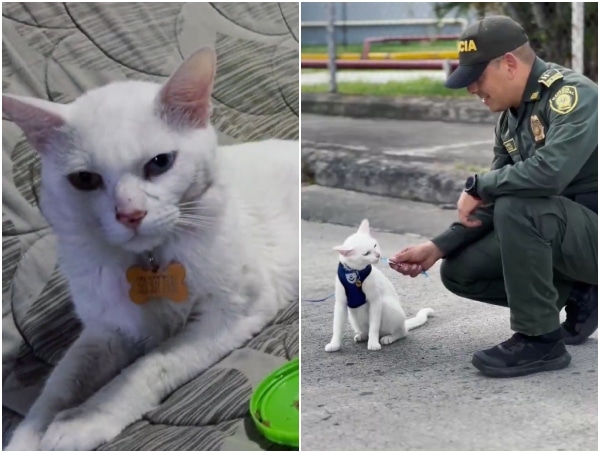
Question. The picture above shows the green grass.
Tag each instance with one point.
(385, 47)
(419, 87)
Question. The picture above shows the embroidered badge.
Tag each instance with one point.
(565, 100)
(510, 145)
(537, 128)
(351, 278)
(467, 46)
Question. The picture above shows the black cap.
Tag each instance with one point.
(480, 43)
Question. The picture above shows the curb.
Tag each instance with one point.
(399, 108)
(428, 182)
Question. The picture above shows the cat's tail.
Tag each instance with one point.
(420, 319)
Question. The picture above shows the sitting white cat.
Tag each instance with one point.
(366, 296)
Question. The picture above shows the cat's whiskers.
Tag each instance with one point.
(195, 216)
(195, 220)
(187, 227)
(184, 228)
(183, 203)
(194, 224)
(197, 209)
(190, 203)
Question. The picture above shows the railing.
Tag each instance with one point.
(422, 60)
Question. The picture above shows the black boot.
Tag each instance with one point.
(582, 314)
(521, 355)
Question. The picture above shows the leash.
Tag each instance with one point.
(319, 300)
(383, 259)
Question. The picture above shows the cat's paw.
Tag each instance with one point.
(373, 346)
(27, 445)
(332, 347)
(78, 429)
(360, 337)
(388, 339)
(24, 440)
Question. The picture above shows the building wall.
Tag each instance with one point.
(370, 11)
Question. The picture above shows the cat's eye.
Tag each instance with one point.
(159, 164)
(367, 254)
(85, 180)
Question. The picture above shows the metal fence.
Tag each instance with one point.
(577, 37)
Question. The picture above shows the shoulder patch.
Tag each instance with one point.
(565, 100)
(550, 76)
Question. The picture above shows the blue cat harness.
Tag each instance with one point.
(352, 281)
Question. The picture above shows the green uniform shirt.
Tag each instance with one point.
(548, 146)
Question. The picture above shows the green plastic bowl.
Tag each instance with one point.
(275, 407)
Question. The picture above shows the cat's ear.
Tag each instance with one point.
(364, 227)
(344, 250)
(184, 99)
(40, 120)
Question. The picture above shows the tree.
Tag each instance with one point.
(548, 26)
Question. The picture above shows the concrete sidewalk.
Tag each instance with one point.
(422, 393)
(425, 161)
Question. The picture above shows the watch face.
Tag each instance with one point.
(470, 182)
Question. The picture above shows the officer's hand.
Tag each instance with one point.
(415, 259)
(466, 207)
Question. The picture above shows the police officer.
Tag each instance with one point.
(527, 235)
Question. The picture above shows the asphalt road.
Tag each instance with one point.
(422, 393)
(425, 141)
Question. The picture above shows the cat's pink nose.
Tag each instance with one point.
(377, 255)
(131, 219)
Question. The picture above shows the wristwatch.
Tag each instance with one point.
(471, 186)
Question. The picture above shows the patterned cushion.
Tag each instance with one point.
(56, 51)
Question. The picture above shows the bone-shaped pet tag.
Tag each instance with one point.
(161, 284)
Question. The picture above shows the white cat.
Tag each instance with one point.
(366, 296)
(132, 178)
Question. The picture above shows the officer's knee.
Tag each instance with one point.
(512, 213)
(509, 210)
(453, 275)
(509, 206)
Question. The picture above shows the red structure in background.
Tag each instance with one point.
(382, 64)
(365, 63)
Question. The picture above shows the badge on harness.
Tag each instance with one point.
(353, 280)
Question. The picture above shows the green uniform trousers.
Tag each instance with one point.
(539, 247)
